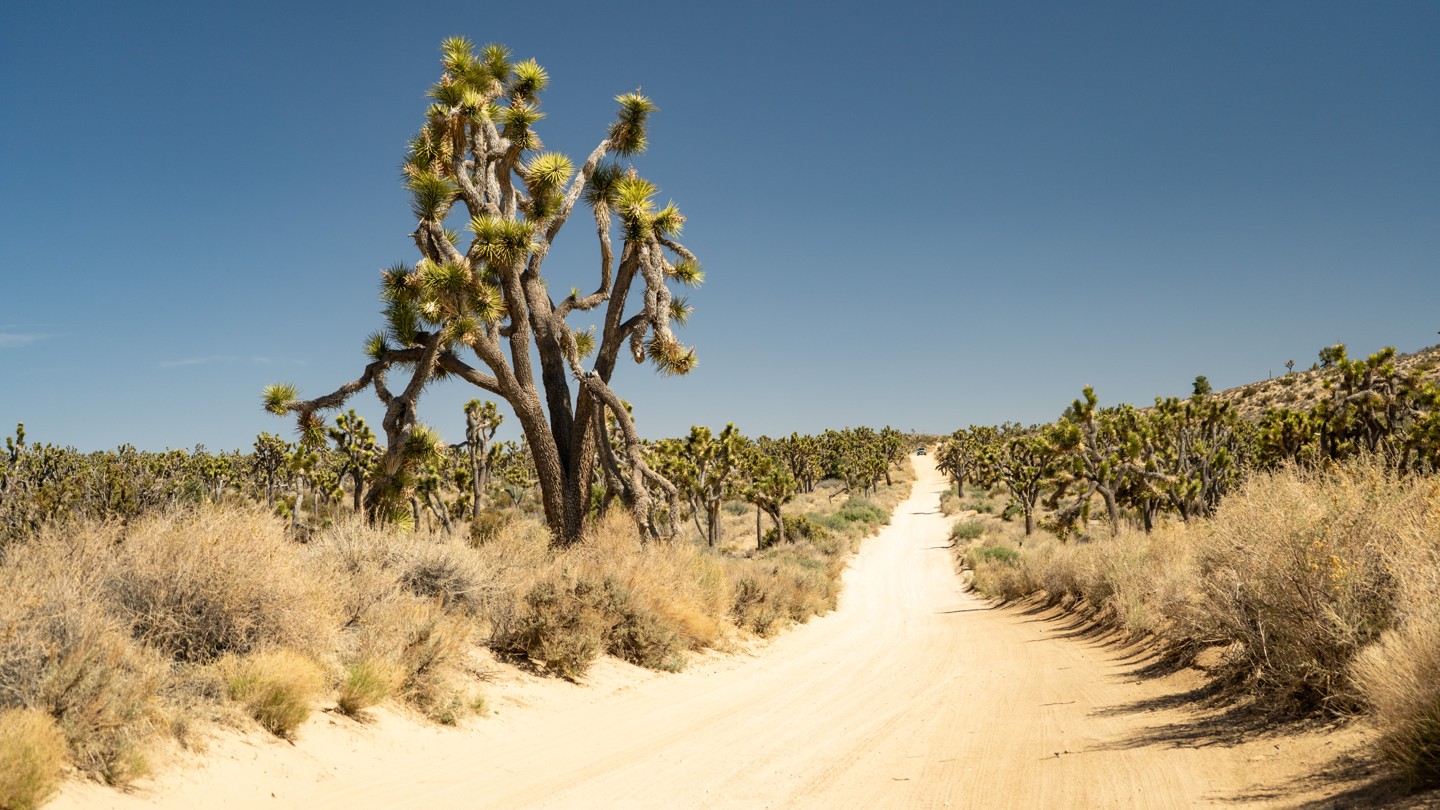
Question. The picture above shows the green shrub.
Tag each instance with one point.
(861, 510)
(32, 752)
(967, 530)
(976, 556)
(737, 508)
(367, 682)
(800, 528)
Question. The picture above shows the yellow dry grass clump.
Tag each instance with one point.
(278, 687)
(32, 753)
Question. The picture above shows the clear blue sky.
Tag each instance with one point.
(915, 214)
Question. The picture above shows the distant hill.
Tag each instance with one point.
(1301, 389)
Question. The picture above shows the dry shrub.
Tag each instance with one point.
(203, 584)
(61, 653)
(999, 569)
(32, 752)
(421, 641)
(278, 688)
(1399, 677)
(645, 603)
(1294, 575)
(779, 586)
(563, 626)
(449, 572)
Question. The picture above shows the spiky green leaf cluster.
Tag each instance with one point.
(276, 397)
(501, 242)
(430, 196)
(528, 82)
(627, 134)
(669, 357)
(585, 343)
(688, 272)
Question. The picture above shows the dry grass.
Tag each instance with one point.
(1319, 588)
(63, 653)
(1399, 678)
(123, 633)
(209, 583)
(278, 688)
(32, 753)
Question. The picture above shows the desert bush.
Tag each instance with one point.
(966, 530)
(198, 585)
(1399, 681)
(277, 687)
(415, 645)
(782, 586)
(1398, 678)
(564, 626)
(737, 508)
(996, 555)
(799, 528)
(448, 572)
(865, 511)
(489, 524)
(32, 752)
(1294, 576)
(62, 653)
(367, 682)
(645, 603)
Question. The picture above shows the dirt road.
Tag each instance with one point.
(912, 694)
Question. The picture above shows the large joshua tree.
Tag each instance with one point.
(477, 156)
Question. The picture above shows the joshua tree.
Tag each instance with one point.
(1024, 461)
(269, 463)
(1330, 355)
(1098, 455)
(477, 155)
(359, 453)
(1289, 367)
(771, 487)
(482, 419)
(707, 469)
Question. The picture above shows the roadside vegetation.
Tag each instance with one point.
(155, 596)
(1297, 558)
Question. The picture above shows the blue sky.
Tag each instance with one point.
(914, 214)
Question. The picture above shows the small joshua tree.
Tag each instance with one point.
(482, 419)
(1289, 367)
(477, 152)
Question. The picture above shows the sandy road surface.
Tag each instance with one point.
(912, 694)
